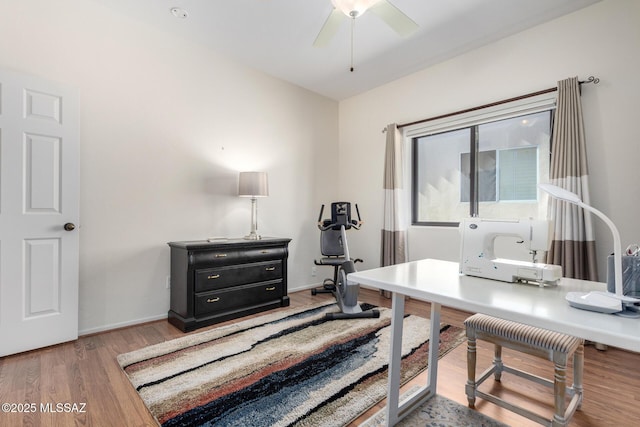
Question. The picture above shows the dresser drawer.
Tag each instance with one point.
(240, 296)
(220, 257)
(223, 277)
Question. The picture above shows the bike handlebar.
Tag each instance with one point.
(353, 223)
(320, 216)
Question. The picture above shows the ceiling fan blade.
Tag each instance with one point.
(394, 17)
(329, 29)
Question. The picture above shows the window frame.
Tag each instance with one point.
(470, 119)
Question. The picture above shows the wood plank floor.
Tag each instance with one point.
(85, 372)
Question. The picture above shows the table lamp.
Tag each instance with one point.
(601, 301)
(254, 185)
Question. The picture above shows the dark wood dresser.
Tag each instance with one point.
(214, 281)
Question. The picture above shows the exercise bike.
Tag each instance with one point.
(335, 251)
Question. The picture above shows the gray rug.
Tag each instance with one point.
(439, 412)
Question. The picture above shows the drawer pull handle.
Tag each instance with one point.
(220, 255)
(214, 276)
(270, 268)
(210, 300)
(272, 288)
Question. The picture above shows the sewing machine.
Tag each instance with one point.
(477, 257)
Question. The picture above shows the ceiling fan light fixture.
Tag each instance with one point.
(353, 8)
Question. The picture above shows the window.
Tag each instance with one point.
(489, 169)
(486, 175)
(517, 179)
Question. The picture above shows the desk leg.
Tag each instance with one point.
(395, 412)
(434, 348)
(395, 357)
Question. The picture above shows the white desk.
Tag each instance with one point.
(440, 283)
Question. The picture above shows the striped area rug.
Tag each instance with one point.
(287, 368)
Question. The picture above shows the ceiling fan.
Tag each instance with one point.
(394, 18)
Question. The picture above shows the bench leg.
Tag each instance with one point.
(470, 388)
(497, 362)
(578, 363)
(559, 388)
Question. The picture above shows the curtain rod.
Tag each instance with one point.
(591, 79)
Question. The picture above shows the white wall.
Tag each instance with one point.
(601, 40)
(165, 127)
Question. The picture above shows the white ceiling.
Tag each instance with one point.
(276, 36)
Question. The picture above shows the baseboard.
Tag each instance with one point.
(109, 327)
(304, 287)
(319, 284)
(119, 325)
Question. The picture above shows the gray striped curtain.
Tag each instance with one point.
(573, 246)
(394, 233)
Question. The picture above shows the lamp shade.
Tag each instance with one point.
(560, 193)
(253, 184)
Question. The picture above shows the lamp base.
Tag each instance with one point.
(630, 312)
(253, 235)
(604, 302)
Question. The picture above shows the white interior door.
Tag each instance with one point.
(39, 194)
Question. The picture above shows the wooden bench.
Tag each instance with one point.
(549, 345)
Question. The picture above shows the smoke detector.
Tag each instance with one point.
(179, 12)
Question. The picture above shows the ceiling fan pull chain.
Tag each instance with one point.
(353, 24)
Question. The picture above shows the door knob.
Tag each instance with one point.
(69, 226)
